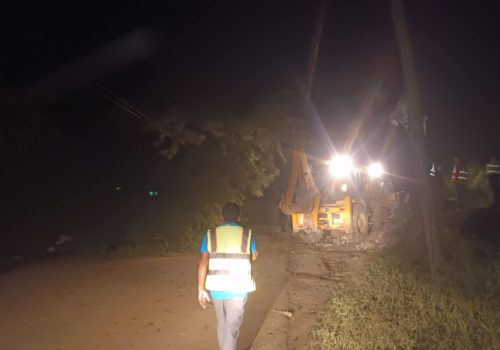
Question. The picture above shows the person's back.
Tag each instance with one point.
(225, 274)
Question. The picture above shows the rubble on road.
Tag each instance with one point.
(317, 265)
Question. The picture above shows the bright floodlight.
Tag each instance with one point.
(341, 166)
(375, 170)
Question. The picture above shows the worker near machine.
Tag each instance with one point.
(225, 274)
(493, 174)
(437, 182)
(459, 178)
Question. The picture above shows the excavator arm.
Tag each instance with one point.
(302, 198)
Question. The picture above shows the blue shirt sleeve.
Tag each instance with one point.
(204, 245)
(253, 245)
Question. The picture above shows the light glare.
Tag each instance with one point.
(375, 170)
(341, 166)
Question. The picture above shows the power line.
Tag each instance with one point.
(98, 88)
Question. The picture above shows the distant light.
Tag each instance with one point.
(341, 166)
(375, 170)
(153, 193)
(118, 188)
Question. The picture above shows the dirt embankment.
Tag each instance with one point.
(314, 271)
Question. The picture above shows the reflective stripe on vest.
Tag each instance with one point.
(459, 176)
(229, 266)
(492, 169)
(432, 172)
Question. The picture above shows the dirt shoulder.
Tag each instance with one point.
(314, 271)
(147, 303)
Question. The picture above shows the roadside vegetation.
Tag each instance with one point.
(196, 159)
(391, 303)
(228, 159)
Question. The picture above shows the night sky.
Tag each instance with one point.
(226, 55)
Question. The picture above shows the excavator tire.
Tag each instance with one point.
(360, 219)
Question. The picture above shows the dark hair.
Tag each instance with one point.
(231, 212)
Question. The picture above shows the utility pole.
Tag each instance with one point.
(416, 133)
(313, 54)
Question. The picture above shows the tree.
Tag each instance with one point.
(218, 161)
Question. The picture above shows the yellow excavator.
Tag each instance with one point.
(346, 204)
(337, 207)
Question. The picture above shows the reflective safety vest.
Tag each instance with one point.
(229, 264)
(459, 176)
(492, 169)
(432, 172)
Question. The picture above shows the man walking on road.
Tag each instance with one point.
(225, 274)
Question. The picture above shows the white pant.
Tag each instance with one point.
(229, 313)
